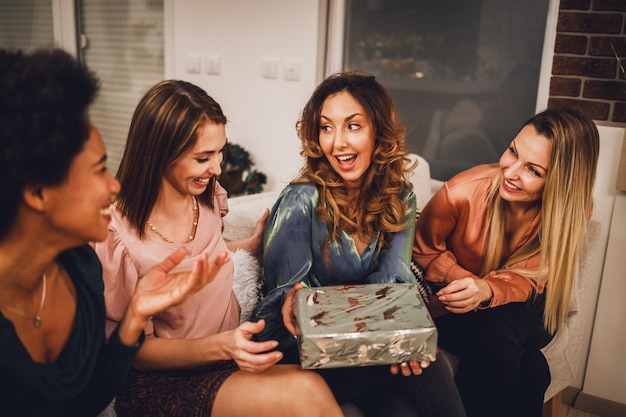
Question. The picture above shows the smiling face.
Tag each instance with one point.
(190, 173)
(347, 138)
(524, 167)
(79, 208)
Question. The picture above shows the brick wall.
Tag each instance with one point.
(590, 59)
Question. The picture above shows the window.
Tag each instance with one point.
(120, 40)
(463, 73)
(26, 24)
(123, 44)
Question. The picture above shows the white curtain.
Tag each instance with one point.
(121, 41)
(123, 44)
(26, 24)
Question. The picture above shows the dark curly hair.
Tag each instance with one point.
(44, 97)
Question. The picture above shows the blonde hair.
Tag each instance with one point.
(565, 207)
(380, 206)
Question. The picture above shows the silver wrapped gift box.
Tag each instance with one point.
(361, 325)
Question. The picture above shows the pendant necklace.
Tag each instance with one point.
(37, 317)
(194, 225)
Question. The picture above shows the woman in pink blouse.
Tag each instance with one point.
(196, 359)
(500, 244)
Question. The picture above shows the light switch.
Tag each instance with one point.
(292, 69)
(193, 64)
(213, 64)
(269, 67)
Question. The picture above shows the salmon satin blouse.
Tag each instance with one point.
(450, 238)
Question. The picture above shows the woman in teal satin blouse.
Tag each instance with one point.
(349, 218)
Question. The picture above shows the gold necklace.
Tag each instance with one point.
(194, 224)
(37, 317)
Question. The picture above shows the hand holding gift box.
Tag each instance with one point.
(360, 325)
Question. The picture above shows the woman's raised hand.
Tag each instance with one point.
(158, 290)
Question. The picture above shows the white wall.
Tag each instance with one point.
(604, 198)
(262, 112)
(604, 191)
(604, 375)
(606, 369)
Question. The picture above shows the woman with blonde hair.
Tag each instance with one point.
(197, 359)
(349, 219)
(501, 243)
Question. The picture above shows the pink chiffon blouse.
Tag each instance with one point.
(125, 258)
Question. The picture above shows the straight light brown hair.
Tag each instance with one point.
(166, 123)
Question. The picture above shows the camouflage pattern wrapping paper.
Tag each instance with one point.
(362, 325)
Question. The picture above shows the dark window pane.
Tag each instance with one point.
(464, 73)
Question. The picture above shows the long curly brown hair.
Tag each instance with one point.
(381, 206)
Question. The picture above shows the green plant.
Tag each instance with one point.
(237, 176)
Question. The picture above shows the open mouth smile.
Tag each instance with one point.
(510, 186)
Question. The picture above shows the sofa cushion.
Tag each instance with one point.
(247, 281)
(420, 178)
(243, 213)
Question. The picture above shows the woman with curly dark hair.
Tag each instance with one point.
(349, 218)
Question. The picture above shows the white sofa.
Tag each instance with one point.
(563, 353)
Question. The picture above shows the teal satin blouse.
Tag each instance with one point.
(292, 253)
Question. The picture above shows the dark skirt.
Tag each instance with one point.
(177, 393)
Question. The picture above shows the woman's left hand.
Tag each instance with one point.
(254, 243)
(409, 368)
(464, 295)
